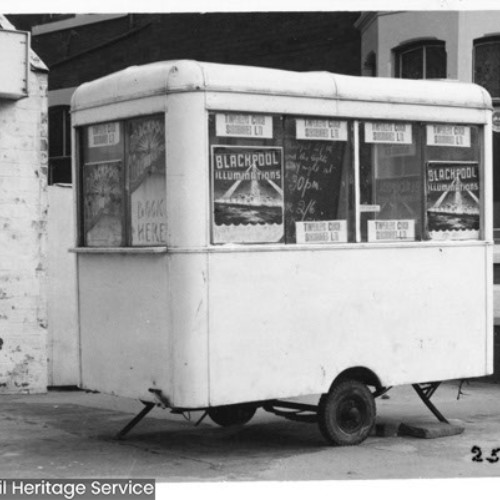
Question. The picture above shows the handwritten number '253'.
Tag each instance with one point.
(478, 455)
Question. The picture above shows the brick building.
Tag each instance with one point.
(23, 214)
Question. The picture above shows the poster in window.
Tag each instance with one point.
(457, 136)
(391, 230)
(316, 232)
(104, 135)
(453, 200)
(146, 167)
(247, 195)
(102, 194)
(388, 133)
(244, 125)
(103, 142)
(319, 129)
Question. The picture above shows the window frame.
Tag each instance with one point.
(353, 192)
(126, 214)
(423, 44)
(477, 42)
(370, 64)
(65, 140)
(354, 219)
(417, 132)
(479, 159)
(280, 124)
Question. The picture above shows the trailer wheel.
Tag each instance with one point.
(346, 413)
(228, 415)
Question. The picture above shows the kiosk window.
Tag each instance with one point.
(318, 166)
(123, 187)
(246, 155)
(290, 179)
(453, 194)
(391, 194)
(278, 179)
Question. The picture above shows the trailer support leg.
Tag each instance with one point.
(147, 408)
(205, 413)
(425, 392)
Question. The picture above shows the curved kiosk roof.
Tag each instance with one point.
(166, 77)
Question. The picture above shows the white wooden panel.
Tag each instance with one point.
(63, 358)
(188, 304)
(285, 324)
(123, 324)
(143, 325)
(14, 47)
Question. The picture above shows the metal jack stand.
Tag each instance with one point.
(425, 392)
(147, 408)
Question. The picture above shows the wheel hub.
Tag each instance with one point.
(350, 416)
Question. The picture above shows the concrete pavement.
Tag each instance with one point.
(71, 435)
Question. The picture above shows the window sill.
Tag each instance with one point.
(119, 250)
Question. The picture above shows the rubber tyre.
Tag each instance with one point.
(229, 415)
(347, 413)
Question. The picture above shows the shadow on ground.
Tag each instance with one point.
(274, 437)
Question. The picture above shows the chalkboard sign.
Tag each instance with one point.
(315, 180)
(102, 196)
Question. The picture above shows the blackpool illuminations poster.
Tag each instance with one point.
(247, 194)
(453, 200)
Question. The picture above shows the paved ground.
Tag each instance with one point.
(70, 435)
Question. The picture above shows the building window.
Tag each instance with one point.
(370, 65)
(487, 74)
(496, 186)
(59, 145)
(487, 64)
(424, 59)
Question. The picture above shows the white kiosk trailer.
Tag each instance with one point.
(247, 236)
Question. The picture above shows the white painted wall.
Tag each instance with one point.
(458, 29)
(401, 27)
(390, 29)
(63, 359)
(23, 239)
(474, 24)
(369, 42)
(400, 312)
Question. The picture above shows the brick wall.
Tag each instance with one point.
(325, 41)
(23, 212)
(56, 46)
